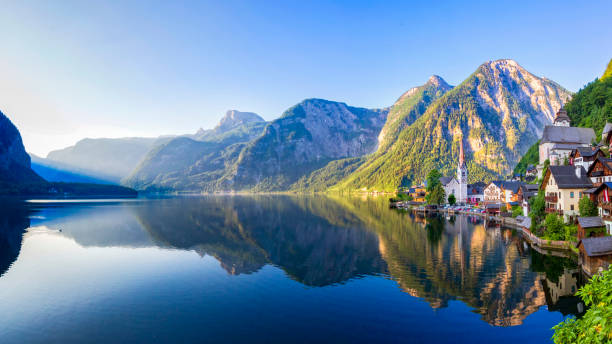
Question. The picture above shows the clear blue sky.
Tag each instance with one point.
(74, 69)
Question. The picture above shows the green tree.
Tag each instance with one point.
(517, 210)
(596, 324)
(451, 199)
(435, 196)
(433, 179)
(555, 228)
(587, 207)
(538, 209)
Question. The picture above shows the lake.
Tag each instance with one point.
(270, 269)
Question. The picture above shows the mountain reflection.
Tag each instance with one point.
(320, 241)
(13, 223)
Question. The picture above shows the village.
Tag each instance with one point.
(561, 204)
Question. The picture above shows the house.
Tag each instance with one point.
(585, 156)
(476, 192)
(602, 196)
(559, 140)
(606, 134)
(590, 226)
(531, 171)
(595, 253)
(600, 171)
(511, 191)
(418, 193)
(563, 187)
(493, 192)
(524, 194)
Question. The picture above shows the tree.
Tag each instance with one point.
(517, 210)
(435, 196)
(451, 199)
(433, 179)
(555, 228)
(538, 209)
(595, 326)
(587, 207)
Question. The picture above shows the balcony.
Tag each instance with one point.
(554, 211)
(606, 205)
(551, 198)
(606, 217)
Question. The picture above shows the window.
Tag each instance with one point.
(572, 195)
(572, 207)
(580, 194)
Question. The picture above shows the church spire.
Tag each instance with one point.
(461, 155)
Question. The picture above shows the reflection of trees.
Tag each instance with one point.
(13, 221)
(461, 261)
(244, 233)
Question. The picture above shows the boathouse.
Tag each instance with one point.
(590, 226)
(595, 253)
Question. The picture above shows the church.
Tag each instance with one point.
(457, 185)
(559, 140)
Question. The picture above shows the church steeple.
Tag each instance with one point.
(462, 177)
(461, 155)
(561, 118)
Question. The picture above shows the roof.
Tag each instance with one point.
(493, 206)
(476, 188)
(566, 178)
(445, 180)
(556, 134)
(561, 115)
(587, 151)
(512, 186)
(530, 187)
(600, 187)
(607, 128)
(597, 246)
(605, 161)
(566, 146)
(590, 222)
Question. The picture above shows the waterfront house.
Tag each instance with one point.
(511, 189)
(563, 187)
(600, 171)
(493, 192)
(595, 253)
(585, 156)
(418, 193)
(476, 192)
(559, 140)
(590, 226)
(602, 196)
(524, 194)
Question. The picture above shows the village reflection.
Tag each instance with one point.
(320, 241)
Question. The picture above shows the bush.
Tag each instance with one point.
(587, 207)
(517, 210)
(596, 324)
(555, 228)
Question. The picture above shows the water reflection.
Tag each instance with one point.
(320, 241)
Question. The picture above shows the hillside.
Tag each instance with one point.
(116, 158)
(591, 107)
(498, 112)
(195, 163)
(305, 138)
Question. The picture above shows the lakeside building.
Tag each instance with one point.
(476, 192)
(602, 196)
(502, 191)
(595, 253)
(559, 140)
(585, 156)
(458, 185)
(563, 187)
(600, 171)
(590, 226)
(524, 194)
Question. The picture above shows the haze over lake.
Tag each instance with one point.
(269, 269)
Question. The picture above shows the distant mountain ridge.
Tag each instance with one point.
(317, 145)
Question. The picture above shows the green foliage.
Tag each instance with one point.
(587, 207)
(451, 199)
(596, 324)
(433, 179)
(555, 228)
(531, 157)
(538, 209)
(591, 107)
(517, 210)
(435, 196)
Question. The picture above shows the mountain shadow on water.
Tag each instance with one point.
(13, 222)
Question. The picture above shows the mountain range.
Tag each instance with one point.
(496, 113)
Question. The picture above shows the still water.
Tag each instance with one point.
(270, 269)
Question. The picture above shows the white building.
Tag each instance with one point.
(559, 140)
(457, 185)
